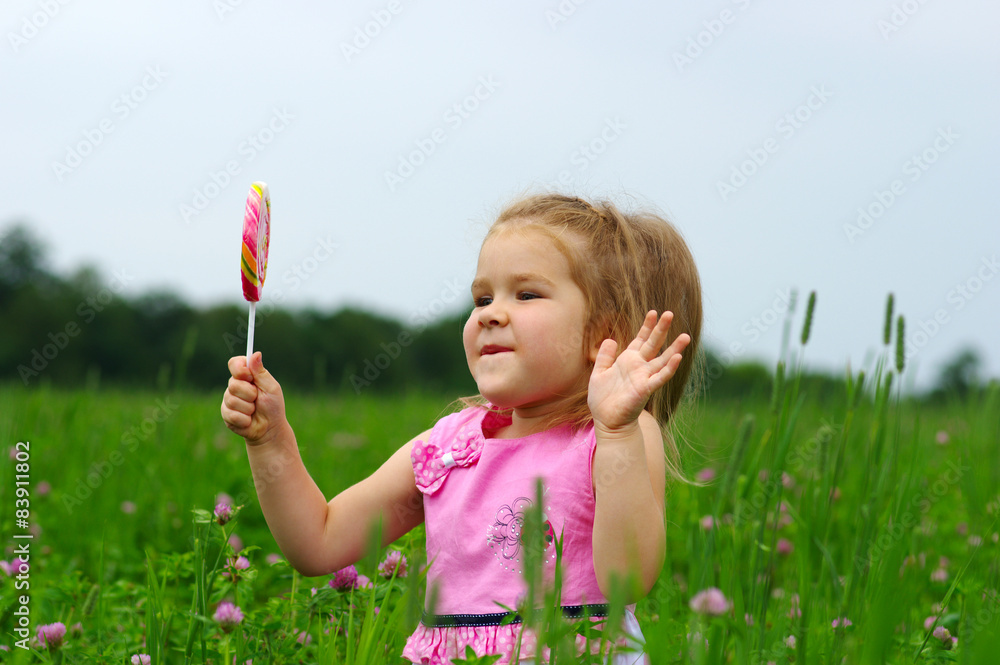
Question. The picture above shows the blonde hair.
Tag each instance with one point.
(626, 264)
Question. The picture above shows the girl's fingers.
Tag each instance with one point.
(242, 389)
(234, 403)
(238, 368)
(668, 370)
(657, 334)
(238, 421)
(664, 369)
(679, 344)
(665, 365)
(648, 341)
(642, 337)
(605, 355)
(235, 419)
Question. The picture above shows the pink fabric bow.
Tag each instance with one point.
(431, 466)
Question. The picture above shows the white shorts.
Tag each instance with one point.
(635, 655)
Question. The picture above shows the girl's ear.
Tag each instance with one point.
(596, 334)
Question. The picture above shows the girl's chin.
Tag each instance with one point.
(500, 399)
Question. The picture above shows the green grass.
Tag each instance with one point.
(819, 511)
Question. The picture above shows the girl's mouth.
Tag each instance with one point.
(491, 349)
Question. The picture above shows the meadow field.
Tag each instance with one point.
(861, 529)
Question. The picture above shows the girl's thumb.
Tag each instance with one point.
(261, 377)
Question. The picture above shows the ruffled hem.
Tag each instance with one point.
(437, 646)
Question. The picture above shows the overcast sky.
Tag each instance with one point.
(848, 148)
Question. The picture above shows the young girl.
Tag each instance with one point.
(575, 386)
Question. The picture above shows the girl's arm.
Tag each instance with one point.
(629, 485)
(628, 469)
(316, 537)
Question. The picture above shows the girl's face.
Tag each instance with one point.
(525, 338)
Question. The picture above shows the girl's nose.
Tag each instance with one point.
(492, 315)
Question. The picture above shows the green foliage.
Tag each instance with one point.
(820, 510)
(845, 523)
(959, 376)
(22, 258)
(887, 328)
(80, 331)
(807, 326)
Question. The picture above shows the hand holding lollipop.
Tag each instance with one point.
(253, 258)
(253, 406)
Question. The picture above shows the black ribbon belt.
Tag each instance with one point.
(475, 620)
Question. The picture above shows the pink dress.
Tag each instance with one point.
(476, 490)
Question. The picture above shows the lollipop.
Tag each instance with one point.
(253, 259)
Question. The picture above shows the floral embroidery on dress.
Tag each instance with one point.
(505, 536)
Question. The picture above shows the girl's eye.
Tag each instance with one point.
(524, 295)
(483, 301)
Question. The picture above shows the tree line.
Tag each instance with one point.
(82, 331)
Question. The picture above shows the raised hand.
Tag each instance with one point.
(620, 387)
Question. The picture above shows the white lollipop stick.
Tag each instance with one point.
(253, 312)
